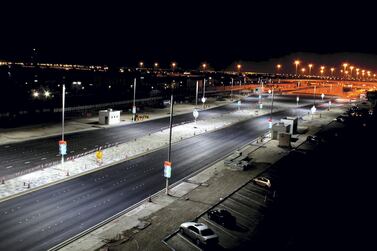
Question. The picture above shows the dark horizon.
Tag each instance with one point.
(189, 33)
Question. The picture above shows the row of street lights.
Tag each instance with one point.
(347, 70)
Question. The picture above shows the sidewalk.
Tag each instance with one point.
(144, 227)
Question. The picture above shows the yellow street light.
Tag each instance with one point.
(47, 94)
(204, 66)
(310, 68)
(332, 71)
(156, 64)
(239, 66)
(303, 70)
(141, 64)
(35, 94)
(345, 66)
(297, 62)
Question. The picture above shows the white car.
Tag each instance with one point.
(199, 232)
(262, 181)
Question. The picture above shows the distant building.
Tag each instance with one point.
(109, 117)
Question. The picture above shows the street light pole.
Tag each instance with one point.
(63, 106)
(204, 91)
(314, 94)
(170, 133)
(272, 103)
(134, 105)
(231, 91)
(196, 95)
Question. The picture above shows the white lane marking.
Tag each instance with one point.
(43, 158)
(249, 199)
(9, 167)
(27, 162)
(235, 211)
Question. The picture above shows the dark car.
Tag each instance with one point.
(314, 139)
(222, 217)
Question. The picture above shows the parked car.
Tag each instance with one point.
(199, 232)
(262, 181)
(314, 139)
(341, 119)
(222, 217)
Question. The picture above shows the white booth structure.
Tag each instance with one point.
(109, 117)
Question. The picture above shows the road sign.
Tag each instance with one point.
(167, 169)
(322, 96)
(313, 109)
(239, 103)
(133, 109)
(62, 147)
(203, 99)
(99, 155)
(195, 113)
(298, 98)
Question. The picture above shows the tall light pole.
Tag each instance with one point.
(314, 95)
(170, 134)
(231, 91)
(345, 66)
(204, 66)
(196, 95)
(332, 71)
(63, 152)
(134, 104)
(303, 71)
(278, 67)
(204, 92)
(310, 68)
(351, 68)
(297, 62)
(272, 106)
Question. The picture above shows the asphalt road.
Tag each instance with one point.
(21, 156)
(44, 218)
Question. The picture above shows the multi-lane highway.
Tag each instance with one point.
(18, 157)
(44, 218)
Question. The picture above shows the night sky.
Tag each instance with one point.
(189, 32)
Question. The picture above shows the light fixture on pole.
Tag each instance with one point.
(310, 68)
(297, 62)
